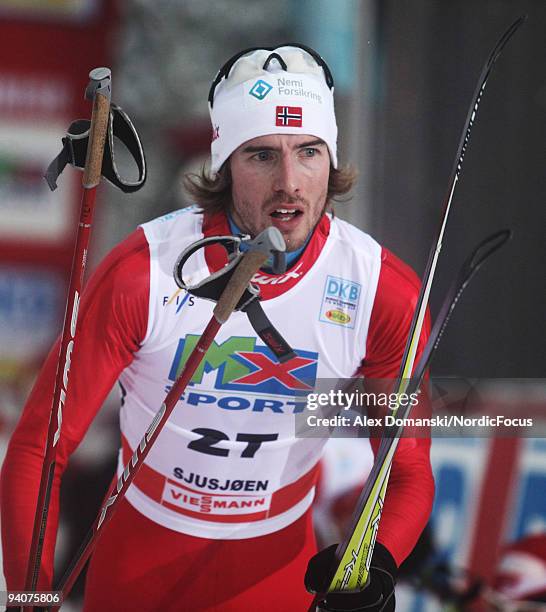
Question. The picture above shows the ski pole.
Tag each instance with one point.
(99, 92)
(270, 241)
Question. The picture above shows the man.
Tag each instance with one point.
(213, 520)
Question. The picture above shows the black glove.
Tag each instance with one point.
(378, 596)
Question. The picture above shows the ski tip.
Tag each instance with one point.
(505, 38)
(517, 23)
(486, 248)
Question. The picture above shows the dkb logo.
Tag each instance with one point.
(345, 290)
(340, 302)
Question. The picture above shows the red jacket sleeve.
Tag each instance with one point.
(111, 325)
(410, 492)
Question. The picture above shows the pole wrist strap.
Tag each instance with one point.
(74, 151)
(212, 287)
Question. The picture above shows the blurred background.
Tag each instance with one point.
(405, 73)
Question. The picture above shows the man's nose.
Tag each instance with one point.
(286, 176)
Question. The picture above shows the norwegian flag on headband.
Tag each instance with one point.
(289, 116)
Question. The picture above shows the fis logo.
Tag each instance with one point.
(179, 300)
(241, 365)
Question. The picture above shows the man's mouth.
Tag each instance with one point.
(285, 214)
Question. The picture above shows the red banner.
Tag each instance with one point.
(48, 49)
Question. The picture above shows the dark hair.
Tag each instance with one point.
(214, 194)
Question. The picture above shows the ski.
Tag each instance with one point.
(368, 513)
(353, 555)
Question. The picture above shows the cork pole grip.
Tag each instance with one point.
(249, 265)
(97, 138)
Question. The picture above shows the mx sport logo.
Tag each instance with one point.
(260, 89)
(245, 369)
(340, 302)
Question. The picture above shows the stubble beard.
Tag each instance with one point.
(254, 230)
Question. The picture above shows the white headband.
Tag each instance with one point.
(254, 102)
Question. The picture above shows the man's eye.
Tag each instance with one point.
(263, 155)
(310, 151)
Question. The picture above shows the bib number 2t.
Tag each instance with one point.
(209, 439)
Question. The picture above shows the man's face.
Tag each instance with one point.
(280, 180)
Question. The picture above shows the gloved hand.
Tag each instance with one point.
(378, 596)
